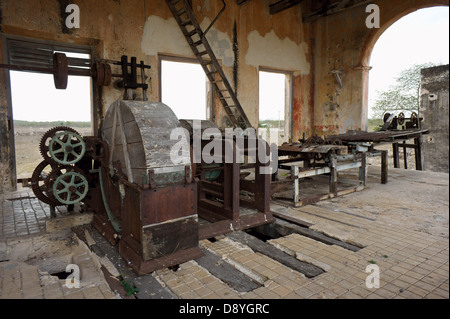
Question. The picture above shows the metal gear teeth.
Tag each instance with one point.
(43, 148)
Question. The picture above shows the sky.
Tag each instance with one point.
(419, 37)
(35, 98)
(189, 81)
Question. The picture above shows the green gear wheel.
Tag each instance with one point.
(46, 138)
(70, 187)
(66, 147)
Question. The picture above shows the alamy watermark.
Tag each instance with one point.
(73, 280)
(373, 279)
(73, 19)
(373, 19)
(227, 149)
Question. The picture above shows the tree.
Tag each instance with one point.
(403, 95)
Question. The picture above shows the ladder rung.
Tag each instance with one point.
(190, 34)
(202, 53)
(225, 97)
(217, 81)
(181, 12)
(185, 23)
(198, 43)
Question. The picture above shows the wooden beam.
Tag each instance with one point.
(282, 5)
(329, 9)
(240, 2)
(261, 247)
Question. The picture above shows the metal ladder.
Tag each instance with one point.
(183, 14)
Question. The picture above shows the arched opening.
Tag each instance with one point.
(370, 64)
(417, 40)
(397, 52)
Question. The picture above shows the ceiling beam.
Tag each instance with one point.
(329, 9)
(282, 5)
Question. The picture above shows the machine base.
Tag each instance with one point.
(142, 267)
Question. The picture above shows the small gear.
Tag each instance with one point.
(66, 148)
(67, 185)
(47, 137)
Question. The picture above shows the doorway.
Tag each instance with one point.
(35, 105)
(275, 105)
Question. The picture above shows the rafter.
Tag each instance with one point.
(282, 5)
(239, 2)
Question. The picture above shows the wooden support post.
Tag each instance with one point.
(363, 169)
(333, 174)
(405, 155)
(384, 167)
(52, 211)
(418, 153)
(231, 186)
(294, 174)
(262, 184)
(395, 155)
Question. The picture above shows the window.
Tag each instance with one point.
(184, 88)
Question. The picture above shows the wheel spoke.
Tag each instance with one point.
(75, 154)
(60, 142)
(77, 144)
(64, 190)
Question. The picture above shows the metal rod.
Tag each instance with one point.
(38, 69)
(217, 17)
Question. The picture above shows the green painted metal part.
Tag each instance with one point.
(67, 148)
(211, 176)
(116, 224)
(74, 188)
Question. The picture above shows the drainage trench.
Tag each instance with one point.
(280, 228)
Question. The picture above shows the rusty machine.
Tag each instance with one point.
(399, 121)
(156, 210)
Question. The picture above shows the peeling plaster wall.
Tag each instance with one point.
(273, 52)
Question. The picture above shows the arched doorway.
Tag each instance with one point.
(416, 41)
(372, 40)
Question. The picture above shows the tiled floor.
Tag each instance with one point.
(402, 228)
